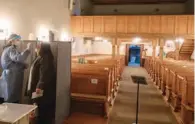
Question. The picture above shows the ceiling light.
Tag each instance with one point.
(4, 24)
(98, 38)
(65, 37)
(137, 40)
(105, 41)
(5, 28)
(169, 41)
(180, 40)
(43, 34)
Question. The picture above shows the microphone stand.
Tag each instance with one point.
(137, 103)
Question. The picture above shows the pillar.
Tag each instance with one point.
(154, 42)
(114, 47)
(118, 48)
(161, 49)
(177, 50)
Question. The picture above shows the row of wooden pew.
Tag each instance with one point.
(175, 79)
(96, 80)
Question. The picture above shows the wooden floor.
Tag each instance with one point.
(153, 109)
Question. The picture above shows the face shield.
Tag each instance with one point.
(14, 39)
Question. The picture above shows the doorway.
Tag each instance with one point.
(133, 55)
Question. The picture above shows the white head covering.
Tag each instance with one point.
(14, 37)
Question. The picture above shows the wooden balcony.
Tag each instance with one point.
(125, 26)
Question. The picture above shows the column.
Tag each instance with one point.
(161, 49)
(118, 48)
(114, 47)
(154, 42)
(177, 50)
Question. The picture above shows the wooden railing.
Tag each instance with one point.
(181, 25)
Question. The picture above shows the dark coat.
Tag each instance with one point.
(43, 76)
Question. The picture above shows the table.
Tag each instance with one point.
(16, 113)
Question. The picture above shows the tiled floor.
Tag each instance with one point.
(152, 108)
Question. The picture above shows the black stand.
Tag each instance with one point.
(1, 100)
(137, 104)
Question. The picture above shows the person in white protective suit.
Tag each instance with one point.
(13, 65)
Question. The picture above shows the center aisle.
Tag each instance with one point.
(153, 109)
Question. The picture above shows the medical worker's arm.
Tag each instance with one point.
(18, 57)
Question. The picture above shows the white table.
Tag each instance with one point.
(16, 113)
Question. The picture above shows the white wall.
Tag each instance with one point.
(81, 47)
(139, 9)
(102, 47)
(122, 49)
(27, 16)
(99, 47)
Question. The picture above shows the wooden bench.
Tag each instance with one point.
(97, 79)
(176, 85)
(91, 85)
(98, 67)
(187, 107)
(176, 80)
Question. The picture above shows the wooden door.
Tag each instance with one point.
(132, 24)
(168, 24)
(181, 25)
(127, 54)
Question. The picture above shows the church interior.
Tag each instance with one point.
(116, 61)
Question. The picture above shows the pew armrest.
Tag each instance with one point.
(89, 97)
(188, 107)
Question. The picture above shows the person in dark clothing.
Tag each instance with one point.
(43, 78)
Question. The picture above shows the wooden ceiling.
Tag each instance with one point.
(111, 2)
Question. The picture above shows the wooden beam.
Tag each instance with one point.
(154, 43)
(162, 42)
(114, 42)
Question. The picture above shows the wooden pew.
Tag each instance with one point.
(187, 107)
(176, 84)
(98, 68)
(91, 85)
(106, 70)
(176, 80)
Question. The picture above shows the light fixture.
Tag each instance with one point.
(180, 40)
(98, 38)
(65, 37)
(169, 41)
(136, 40)
(43, 34)
(105, 41)
(5, 26)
